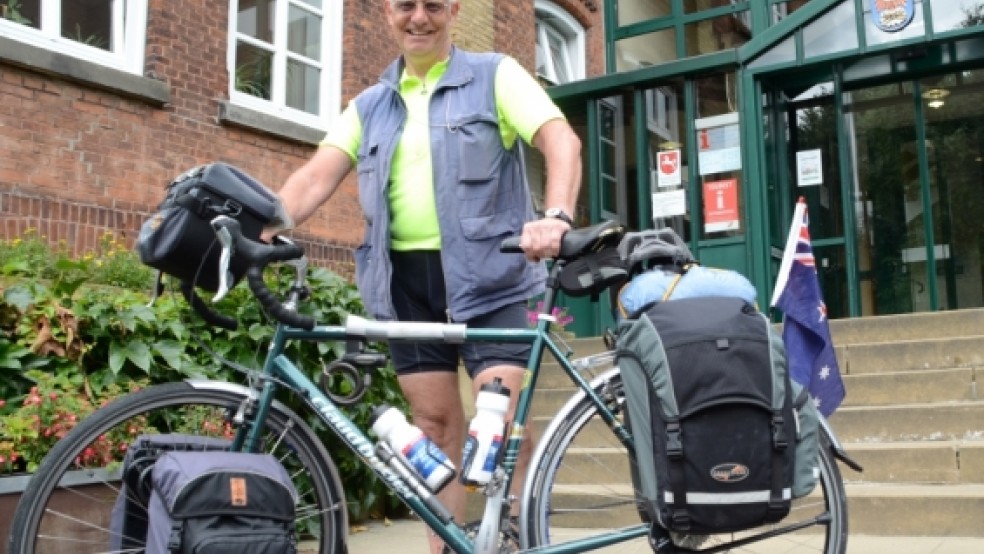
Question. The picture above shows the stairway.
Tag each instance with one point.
(913, 418)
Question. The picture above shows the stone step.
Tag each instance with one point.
(881, 357)
(911, 387)
(873, 509)
(942, 462)
(916, 510)
(907, 327)
(910, 422)
(554, 387)
(924, 462)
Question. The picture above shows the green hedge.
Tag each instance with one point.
(79, 331)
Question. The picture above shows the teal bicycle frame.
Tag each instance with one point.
(408, 487)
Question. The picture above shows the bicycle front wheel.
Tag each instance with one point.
(581, 484)
(67, 506)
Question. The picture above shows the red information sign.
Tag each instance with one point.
(721, 206)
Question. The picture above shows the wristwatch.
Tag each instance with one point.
(560, 214)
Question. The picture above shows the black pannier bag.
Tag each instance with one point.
(710, 405)
(179, 241)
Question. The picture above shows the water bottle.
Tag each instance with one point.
(485, 432)
(413, 445)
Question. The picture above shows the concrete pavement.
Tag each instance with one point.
(407, 537)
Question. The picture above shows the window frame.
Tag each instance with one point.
(553, 21)
(329, 99)
(128, 42)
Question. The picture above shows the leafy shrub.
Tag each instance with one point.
(82, 330)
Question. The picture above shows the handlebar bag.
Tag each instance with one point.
(178, 239)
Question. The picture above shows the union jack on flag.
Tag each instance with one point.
(805, 330)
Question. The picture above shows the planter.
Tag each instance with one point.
(84, 489)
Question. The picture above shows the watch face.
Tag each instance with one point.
(558, 214)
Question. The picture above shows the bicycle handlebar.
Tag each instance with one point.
(257, 256)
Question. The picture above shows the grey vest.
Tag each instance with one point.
(480, 189)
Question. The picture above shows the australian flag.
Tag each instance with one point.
(809, 348)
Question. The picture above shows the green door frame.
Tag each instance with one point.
(752, 71)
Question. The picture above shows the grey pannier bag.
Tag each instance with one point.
(221, 503)
(128, 522)
(711, 409)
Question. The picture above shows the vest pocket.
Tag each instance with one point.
(483, 236)
(479, 154)
(369, 188)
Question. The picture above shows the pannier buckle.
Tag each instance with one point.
(681, 521)
(674, 444)
(778, 433)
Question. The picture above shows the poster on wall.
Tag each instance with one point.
(668, 168)
(721, 206)
(718, 144)
(670, 203)
(809, 168)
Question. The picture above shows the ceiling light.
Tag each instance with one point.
(935, 97)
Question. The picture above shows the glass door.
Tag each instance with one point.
(917, 149)
(953, 116)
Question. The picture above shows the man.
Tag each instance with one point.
(441, 183)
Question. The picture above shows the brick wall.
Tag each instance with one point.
(474, 30)
(77, 162)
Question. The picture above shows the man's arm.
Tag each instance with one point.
(314, 182)
(562, 149)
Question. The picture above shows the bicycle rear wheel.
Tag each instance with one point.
(67, 507)
(581, 484)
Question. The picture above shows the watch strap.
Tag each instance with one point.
(560, 214)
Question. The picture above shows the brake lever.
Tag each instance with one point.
(300, 266)
(225, 258)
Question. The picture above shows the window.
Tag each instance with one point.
(106, 32)
(661, 113)
(559, 45)
(284, 58)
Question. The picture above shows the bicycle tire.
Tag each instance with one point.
(581, 485)
(42, 522)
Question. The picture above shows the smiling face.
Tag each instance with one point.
(422, 28)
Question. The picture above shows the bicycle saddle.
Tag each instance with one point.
(592, 261)
(580, 242)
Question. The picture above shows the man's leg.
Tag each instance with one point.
(506, 361)
(435, 403)
(512, 378)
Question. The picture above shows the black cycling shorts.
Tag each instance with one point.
(419, 295)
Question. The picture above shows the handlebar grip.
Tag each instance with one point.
(272, 305)
(201, 308)
(257, 256)
(510, 245)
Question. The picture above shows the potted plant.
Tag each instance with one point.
(49, 410)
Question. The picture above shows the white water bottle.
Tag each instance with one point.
(485, 434)
(413, 445)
